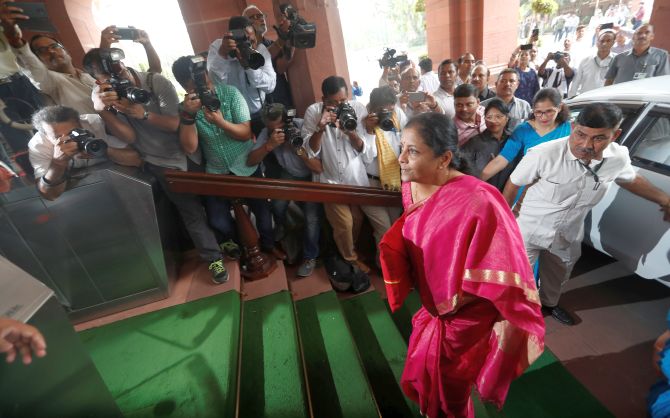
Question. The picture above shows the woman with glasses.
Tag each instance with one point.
(482, 148)
(549, 120)
(459, 245)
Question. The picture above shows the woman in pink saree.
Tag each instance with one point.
(459, 245)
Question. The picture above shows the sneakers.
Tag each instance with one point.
(306, 268)
(231, 249)
(219, 272)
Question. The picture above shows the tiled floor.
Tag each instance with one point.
(609, 350)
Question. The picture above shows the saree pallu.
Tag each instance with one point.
(480, 322)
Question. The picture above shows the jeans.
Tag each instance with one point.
(218, 211)
(312, 213)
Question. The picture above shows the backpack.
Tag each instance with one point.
(345, 276)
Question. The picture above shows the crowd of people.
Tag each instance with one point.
(429, 135)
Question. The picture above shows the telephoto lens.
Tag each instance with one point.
(386, 120)
(347, 116)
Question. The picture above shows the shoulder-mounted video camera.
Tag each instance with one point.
(390, 60)
(198, 74)
(111, 64)
(301, 34)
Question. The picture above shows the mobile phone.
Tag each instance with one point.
(39, 18)
(535, 33)
(417, 96)
(129, 33)
(609, 25)
(526, 47)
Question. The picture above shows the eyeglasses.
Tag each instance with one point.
(41, 50)
(258, 16)
(491, 118)
(548, 113)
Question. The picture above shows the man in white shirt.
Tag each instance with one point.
(592, 70)
(429, 81)
(569, 177)
(412, 100)
(446, 74)
(226, 65)
(53, 152)
(560, 76)
(342, 152)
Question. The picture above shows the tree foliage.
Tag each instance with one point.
(544, 7)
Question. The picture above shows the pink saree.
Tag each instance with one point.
(480, 322)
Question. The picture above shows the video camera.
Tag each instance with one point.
(248, 54)
(301, 34)
(390, 60)
(111, 60)
(346, 115)
(198, 74)
(291, 133)
(88, 143)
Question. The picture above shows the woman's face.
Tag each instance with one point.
(524, 57)
(495, 120)
(417, 161)
(545, 112)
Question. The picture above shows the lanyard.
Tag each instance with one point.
(594, 172)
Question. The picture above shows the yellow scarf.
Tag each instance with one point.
(389, 167)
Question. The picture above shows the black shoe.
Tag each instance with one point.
(560, 314)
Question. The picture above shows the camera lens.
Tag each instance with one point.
(255, 60)
(95, 147)
(136, 95)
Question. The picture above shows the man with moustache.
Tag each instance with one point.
(410, 82)
(480, 79)
(506, 85)
(592, 70)
(569, 177)
(465, 63)
(640, 62)
(446, 74)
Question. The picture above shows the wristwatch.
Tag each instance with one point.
(146, 115)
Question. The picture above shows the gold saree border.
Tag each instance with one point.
(507, 278)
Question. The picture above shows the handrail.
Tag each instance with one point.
(254, 187)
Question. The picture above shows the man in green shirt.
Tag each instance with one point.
(216, 117)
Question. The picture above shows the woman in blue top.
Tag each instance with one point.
(529, 83)
(549, 120)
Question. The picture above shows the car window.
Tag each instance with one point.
(652, 149)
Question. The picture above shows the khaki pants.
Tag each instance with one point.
(346, 221)
(555, 268)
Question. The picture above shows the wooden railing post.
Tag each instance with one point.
(255, 263)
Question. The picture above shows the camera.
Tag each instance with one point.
(558, 56)
(390, 60)
(346, 115)
(386, 120)
(111, 60)
(291, 133)
(247, 53)
(88, 143)
(198, 74)
(301, 34)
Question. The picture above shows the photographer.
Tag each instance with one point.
(281, 136)
(560, 76)
(280, 50)
(412, 101)
(240, 66)
(152, 129)
(111, 35)
(342, 152)
(217, 119)
(53, 150)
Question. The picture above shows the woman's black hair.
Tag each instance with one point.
(552, 95)
(497, 103)
(439, 133)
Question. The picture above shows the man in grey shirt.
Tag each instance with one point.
(506, 85)
(152, 129)
(640, 62)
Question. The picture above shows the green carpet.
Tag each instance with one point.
(179, 362)
(337, 381)
(271, 379)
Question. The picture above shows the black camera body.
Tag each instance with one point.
(346, 115)
(111, 60)
(386, 120)
(558, 56)
(198, 74)
(88, 143)
(291, 133)
(390, 60)
(250, 55)
(301, 34)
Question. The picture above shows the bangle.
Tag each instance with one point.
(186, 121)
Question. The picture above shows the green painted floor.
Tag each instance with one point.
(183, 362)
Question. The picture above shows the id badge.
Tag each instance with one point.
(639, 76)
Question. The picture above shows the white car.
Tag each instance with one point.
(623, 225)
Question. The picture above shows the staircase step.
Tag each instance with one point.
(271, 374)
(382, 350)
(178, 361)
(337, 382)
(403, 316)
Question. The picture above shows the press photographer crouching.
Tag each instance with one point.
(65, 141)
(281, 136)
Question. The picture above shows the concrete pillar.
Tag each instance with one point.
(660, 18)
